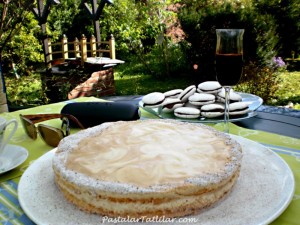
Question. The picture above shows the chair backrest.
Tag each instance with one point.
(80, 49)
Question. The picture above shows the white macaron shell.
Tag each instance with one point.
(170, 104)
(211, 114)
(201, 99)
(233, 96)
(186, 93)
(153, 99)
(187, 112)
(208, 111)
(238, 108)
(173, 93)
(209, 87)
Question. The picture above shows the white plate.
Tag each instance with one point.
(253, 102)
(263, 191)
(12, 157)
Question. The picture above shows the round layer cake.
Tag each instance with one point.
(146, 168)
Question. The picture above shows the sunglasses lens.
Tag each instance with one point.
(29, 128)
(50, 135)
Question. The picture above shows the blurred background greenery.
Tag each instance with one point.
(165, 45)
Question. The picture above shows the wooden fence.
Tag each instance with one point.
(81, 49)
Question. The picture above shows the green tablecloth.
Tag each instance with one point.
(11, 213)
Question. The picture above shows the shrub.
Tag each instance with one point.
(259, 80)
(286, 15)
(200, 19)
(288, 91)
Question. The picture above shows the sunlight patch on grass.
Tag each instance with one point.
(289, 91)
(289, 85)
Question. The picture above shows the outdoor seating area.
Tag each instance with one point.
(263, 129)
(150, 112)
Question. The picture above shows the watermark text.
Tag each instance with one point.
(145, 219)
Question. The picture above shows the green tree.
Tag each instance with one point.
(70, 19)
(200, 19)
(286, 14)
(13, 16)
(140, 28)
(24, 49)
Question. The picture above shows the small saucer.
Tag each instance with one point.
(11, 157)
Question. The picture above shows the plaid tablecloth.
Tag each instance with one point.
(12, 213)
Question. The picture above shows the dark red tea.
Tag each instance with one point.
(229, 68)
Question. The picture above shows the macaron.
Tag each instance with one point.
(186, 93)
(188, 104)
(212, 110)
(238, 108)
(173, 93)
(233, 96)
(170, 104)
(187, 112)
(211, 87)
(153, 100)
(201, 99)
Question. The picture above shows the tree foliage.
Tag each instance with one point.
(69, 19)
(137, 24)
(18, 30)
(286, 14)
(200, 19)
(139, 27)
(268, 27)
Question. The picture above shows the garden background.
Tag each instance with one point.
(165, 44)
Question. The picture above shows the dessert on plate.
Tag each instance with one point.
(208, 98)
(146, 168)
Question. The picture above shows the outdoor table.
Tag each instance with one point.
(102, 62)
(11, 212)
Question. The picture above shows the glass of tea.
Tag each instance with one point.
(229, 63)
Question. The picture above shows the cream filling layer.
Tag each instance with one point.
(149, 155)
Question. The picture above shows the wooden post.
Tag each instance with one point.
(76, 48)
(112, 47)
(83, 49)
(50, 49)
(41, 13)
(96, 22)
(64, 45)
(3, 102)
(95, 13)
(3, 98)
(45, 47)
(93, 46)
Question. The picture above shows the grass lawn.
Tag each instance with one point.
(289, 91)
(27, 90)
(131, 79)
(144, 84)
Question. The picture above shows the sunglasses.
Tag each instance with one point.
(51, 135)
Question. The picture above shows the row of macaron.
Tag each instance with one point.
(206, 100)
